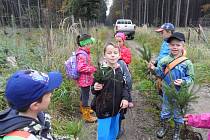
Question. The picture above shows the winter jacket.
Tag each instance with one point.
(164, 50)
(107, 101)
(184, 71)
(85, 68)
(127, 77)
(200, 121)
(125, 54)
(10, 121)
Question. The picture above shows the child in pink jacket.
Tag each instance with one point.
(199, 121)
(86, 70)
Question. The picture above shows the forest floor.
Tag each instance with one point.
(141, 123)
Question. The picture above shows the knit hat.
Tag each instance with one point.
(121, 35)
(85, 39)
(166, 26)
(27, 86)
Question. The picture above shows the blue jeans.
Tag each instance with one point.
(166, 111)
(108, 128)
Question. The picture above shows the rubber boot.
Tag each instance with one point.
(81, 108)
(161, 132)
(87, 117)
(176, 135)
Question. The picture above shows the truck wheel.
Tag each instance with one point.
(132, 37)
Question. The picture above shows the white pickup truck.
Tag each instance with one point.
(126, 26)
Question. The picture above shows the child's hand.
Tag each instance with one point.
(124, 104)
(98, 86)
(151, 66)
(130, 105)
(178, 82)
(186, 119)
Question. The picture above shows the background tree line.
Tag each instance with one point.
(156, 12)
(40, 12)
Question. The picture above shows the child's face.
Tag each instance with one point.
(112, 55)
(45, 101)
(88, 46)
(176, 47)
(165, 34)
(119, 41)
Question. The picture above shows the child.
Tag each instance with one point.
(166, 30)
(126, 57)
(182, 74)
(198, 121)
(125, 53)
(86, 70)
(28, 93)
(110, 96)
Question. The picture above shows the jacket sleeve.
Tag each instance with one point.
(199, 120)
(188, 79)
(126, 55)
(83, 65)
(125, 94)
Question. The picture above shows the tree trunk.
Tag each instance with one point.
(20, 15)
(145, 10)
(187, 10)
(157, 12)
(39, 15)
(162, 11)
(29, 14)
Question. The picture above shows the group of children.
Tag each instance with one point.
(28, 92)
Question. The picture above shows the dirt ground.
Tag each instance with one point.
(140, 124)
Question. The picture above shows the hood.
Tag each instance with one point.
(10, 120)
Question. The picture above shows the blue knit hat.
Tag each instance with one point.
(27, 86)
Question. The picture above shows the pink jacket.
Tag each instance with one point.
(85, 68)
(200, 121)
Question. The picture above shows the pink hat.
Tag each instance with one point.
(121, 35)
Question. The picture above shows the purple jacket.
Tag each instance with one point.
(200, 121)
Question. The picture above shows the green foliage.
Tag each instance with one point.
(145, 85)
(150, 39)
(145, 53)
(74, 128)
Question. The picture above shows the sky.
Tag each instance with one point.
(109, 3)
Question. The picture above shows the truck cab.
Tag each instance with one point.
(126, 26)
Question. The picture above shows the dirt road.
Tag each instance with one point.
(140, 124)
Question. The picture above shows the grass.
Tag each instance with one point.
(36, 50)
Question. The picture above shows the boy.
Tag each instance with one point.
(166, 30)
(182, 74)
(28, 93)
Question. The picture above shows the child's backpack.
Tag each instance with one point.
(71, 65)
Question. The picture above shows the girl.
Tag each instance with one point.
(126, 57)
(124, 51)
(111, 96)
(86, 70)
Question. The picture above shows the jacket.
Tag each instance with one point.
(164, 50)
(200, 121)
(85, 68)
(107, 101)
(125, 54)
(10, 121)
(184, 71)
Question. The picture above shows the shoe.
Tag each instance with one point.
(176, 135)
(87, 117)
(81, 108)
(162, 130)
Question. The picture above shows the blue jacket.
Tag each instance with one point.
(184, 71)
(164, 50)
